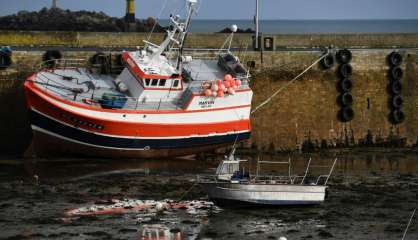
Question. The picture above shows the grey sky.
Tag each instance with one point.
(240, 9)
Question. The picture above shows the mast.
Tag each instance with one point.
(256, 23)
(191, 5)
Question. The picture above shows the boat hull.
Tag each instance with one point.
(63, 128)
(239, 195)
(51, 144)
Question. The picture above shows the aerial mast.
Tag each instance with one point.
(256, 24)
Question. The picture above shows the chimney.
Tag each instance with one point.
(130, 22)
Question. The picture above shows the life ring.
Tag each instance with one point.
(397, 116)
(397, 101)
(395, 87)
(49, 58)
(344, 56)
(346, 85)
(5, 60)
(345, 70)
(327, 62)
(346, 99)
(346, 114)
(396, 73)
(395, 59)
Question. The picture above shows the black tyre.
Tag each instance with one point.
(345, 85)
(5, 60)
(327, 62)
(397, 102)
(346, 99)
(396, 73)
(346, 114)
(345, 70)
(119, 60)
(49, 58)
(395, 87)
(397, 116)
(344, 56)
(395, 59)
(99, 59)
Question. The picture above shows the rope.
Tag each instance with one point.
(156, 21)
(287, 85)
(186, 192)
(409, 224)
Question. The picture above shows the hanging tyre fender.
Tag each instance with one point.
(395, 87)
(395, 59)
(345, 70)
(395, 73)
(99, 59)
(346, 114)
(327, 62)
(119, 60)
(397, 101)
(5, 60)
(344, 56)
(50, 56)
(397, 116)
(346, 99)
(345, 85)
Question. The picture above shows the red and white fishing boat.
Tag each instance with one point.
(164, 103)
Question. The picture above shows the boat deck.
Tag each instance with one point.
(82, 86)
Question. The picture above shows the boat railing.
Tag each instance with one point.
(91, 97)
(296, 179)
(62, 64)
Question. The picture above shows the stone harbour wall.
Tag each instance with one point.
(302, 116)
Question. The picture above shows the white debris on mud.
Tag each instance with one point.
(116, 206)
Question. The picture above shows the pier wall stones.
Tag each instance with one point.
(303, 115)
(204, 40)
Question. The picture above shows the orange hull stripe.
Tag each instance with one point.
(131, 129)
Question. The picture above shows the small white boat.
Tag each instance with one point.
(232, 186)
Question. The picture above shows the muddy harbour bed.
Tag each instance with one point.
(371, 196)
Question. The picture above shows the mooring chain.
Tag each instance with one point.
(287, 85)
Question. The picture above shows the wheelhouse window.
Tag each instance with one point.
(176, 83)
(162, 82)
(154, 82)
(147, 81)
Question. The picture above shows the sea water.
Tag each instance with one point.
(308, 26)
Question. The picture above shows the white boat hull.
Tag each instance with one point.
(237, 194)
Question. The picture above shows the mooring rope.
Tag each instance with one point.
(287, 85)
(186, 192)
(409, 224)
(156, 20)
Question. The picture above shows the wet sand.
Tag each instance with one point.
(371, 197)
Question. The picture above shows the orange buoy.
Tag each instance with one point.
(238, 82)
(208, 92)
(223, 88)
(218, 82)
(227, 84)
(228, 77)
(221, 94)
